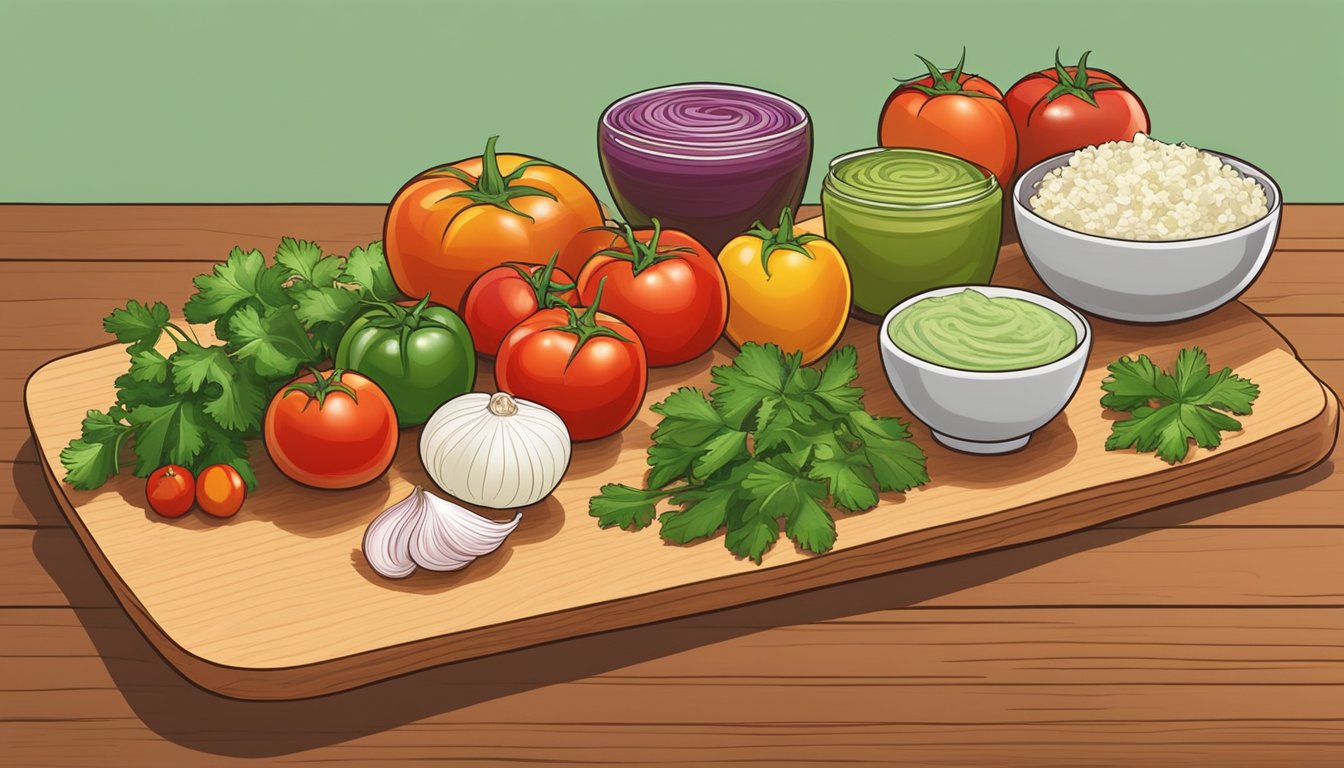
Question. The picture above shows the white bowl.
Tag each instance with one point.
(1145, 281)
(985, 411)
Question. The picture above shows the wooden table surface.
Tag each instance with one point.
(1209, 633)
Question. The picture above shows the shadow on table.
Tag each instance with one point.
(190, 716)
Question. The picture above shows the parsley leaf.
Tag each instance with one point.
(232, 282)
(240, 401)
(171, 433)
(149, 366)
(1167, 411)
(303, 259)
(276, 342)
(707, 513)
(754, 380)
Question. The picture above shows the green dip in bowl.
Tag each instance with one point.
(973, 332)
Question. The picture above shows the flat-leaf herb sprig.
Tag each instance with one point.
(1168, 410)
(196, 405)
(774, 442)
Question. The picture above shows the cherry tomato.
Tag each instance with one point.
(952, 112)
(784, 288)
(451, 223)
(220, 490)
(509, 294)
(334, 430)
(171, 490)
(590, 369)
(1067, 108)
(665, 285)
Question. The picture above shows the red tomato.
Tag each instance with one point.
(171, 490)
(337, 430)
(1068, 108)
(451, 223)
(220, 490)
(509, 294)
(955, 113)
(590, 369)
(665, 285)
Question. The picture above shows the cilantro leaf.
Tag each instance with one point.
(276, 342)
(1167, 411)
(777, 493)
(688, 419)
(720, 452)
(171, 433)
(138, 324)
(668, 463)
(96, 455)
(898, 464)
(240, 401)
(148, 366)
(133, 392)
(811, 527)
(835, 389)
(754, 381)
(707, 513)
(367, 268)
(232, 282)
(303, 259)
(851, 481)
(624, 507)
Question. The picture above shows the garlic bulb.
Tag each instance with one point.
(494, 450)
(432, 533)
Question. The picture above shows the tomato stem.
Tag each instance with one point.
(943, 82)
(1077, 84)
(544, 286)
(585, 327)
(320, 387)
(492, 187)
(641, 255)
(782, 237)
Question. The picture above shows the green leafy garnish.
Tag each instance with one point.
(196, 405)
(1168, 410)
(775, 442)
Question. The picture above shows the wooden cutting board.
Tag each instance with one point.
(279, 603)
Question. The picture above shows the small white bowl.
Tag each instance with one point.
(1145, 281)
(985, 412)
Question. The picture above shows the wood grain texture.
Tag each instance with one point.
(563, 576)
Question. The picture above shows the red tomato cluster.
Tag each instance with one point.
(1046, 113)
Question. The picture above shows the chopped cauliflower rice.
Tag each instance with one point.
(1148, 190)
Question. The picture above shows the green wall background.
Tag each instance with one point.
(342, 101)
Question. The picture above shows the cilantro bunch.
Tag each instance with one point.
(196, 405)
(1167, 410)
(775, 441)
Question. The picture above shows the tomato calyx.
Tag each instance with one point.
(544, 287)
(585, 327)
(1075, 84)
(390, 316)
(945, 83)
(782, 237)
(320, 387)
(492, 187)
(640, 254)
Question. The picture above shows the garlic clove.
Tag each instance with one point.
(471, 535)
(387, 539)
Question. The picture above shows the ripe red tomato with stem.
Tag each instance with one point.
(590, 368)
(1067, 108)
(171, 490)
(506, 295)
(955, 113)
(220, 490)
(665, 285)
(332, 430)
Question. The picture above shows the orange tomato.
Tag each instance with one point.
(220, 490)
(952, 112)
(451, 223)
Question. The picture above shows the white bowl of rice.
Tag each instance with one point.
(1147, 232)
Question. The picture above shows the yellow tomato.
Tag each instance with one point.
(786, 289)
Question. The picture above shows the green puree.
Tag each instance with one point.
(973, 332)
